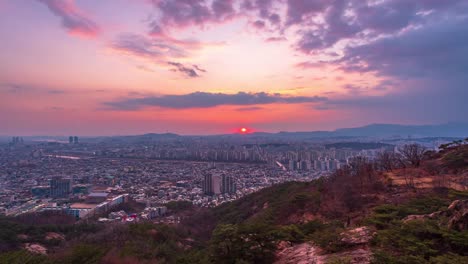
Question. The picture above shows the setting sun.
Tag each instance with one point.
(244, 130)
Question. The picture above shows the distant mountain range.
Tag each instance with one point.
(452, 130)
(388, 130)
(385, 130)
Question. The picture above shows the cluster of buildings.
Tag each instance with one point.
(91, 178)
(17, 140)
(73, 140)
(190, 152)
(321, 159)
(218, 184)
(95, 204)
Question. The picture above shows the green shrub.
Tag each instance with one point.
(90, 254)
(23, 257)
(384, 215)
(449, 258)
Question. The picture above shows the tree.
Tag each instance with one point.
(247, 243)
(387, 160)
(363, 169)
(413, 154)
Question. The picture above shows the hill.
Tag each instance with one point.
(447, 131)
(359, 145)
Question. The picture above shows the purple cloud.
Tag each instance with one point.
(276, 39)
(424, 70)
(73, 19)
(300, 10)
(159, 51)
(438, 50)
(249, 109)
(183, 13)
(208, 100)
(198, 68)
(259, 24)
(187, 71)
(223, 9)
(361, 20)
(142, 46)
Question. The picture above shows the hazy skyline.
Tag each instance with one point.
(89, 67)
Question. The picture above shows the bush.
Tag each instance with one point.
(420, 240)
(384, 215)
(23, 257)
(233, 244)
(90, 254)
(326, 235)
(178, 206)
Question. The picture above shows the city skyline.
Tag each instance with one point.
(215, 66)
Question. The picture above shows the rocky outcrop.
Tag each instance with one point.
(54, 236)
(308, 253)
(457, 215)
(35, 248)
(355, 256)
(305, 253)
(434, 215)
(357, 236)
(355, 240)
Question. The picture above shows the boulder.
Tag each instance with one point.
(355, 256)
(458, 215)
(305, 253)
(35, 248)
(54, 236)
(357, 236)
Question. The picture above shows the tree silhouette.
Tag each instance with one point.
(413, 154)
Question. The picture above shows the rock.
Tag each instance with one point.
(35, 248)
(357, 236)
(305, 253)
(54, 236)
(356, 256)
(415, 217)
(283, 245)
(458, 215)
(23, 237)
(308, 253)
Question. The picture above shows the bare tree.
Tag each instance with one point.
(413, 154)
(363, 169)
(409, 179)
(387, 160)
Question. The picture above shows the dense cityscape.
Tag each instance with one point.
(89, 177)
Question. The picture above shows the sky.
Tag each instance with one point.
(117, 67)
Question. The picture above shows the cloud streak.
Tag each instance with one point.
(73, 19)
(208, 100)
(191, 72)
(160, 50)
(142, 46)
